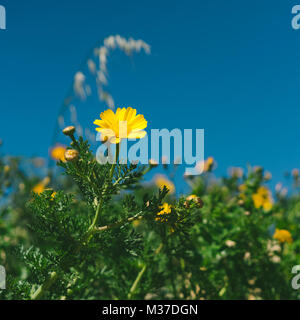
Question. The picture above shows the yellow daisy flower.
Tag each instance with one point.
(161, 181)
(283, 236)
(208, 164)
(122, 124)
(263, 198)
(58, 152)
(165, 209)
(40, 187)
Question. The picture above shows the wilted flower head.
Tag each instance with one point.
(236, 172)
(247, 256)
(195, 199)
(38, 162)
(230, 243)
(278, 186)
(268, 176)
(69, 131)
(71, 155)
(122, 124)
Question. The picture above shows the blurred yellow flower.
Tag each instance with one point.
(161, 181)
(6, 169)
(136, 223)
(242, 187)
(40, 187)
(112, 127)
(165, 209)
(263, 198)
(208, 164)
(283, 236)
(58, 152)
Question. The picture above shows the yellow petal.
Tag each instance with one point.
(137, 134)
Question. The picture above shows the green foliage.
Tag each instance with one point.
(96, 234)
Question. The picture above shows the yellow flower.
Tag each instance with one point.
(283, 236)
(122, 124)
(58, 152)
(242, 187)
(40, 187)
(263, 198)
(165, 209)
(161, 181)
(208, 164)
(6, 169)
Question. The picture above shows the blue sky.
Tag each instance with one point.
(230, 67)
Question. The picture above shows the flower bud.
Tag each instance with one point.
(295, 173)
(6, 169)
(71, 155)
(268, 176)
(241, 202)
(69, 131)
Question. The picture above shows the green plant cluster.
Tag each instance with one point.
(96, 234)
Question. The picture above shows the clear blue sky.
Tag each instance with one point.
(230, 67)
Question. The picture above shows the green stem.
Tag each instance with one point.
(120, 223)
(112, 169)
(140, 274)
(39, 293)
(136, 282)
(97, 215)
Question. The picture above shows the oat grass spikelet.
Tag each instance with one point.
(125, 123)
